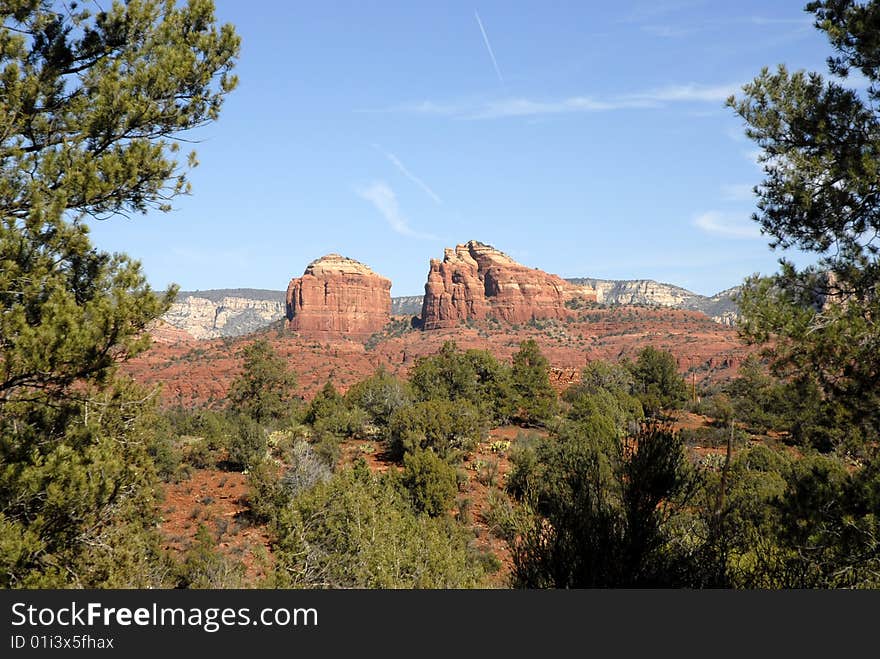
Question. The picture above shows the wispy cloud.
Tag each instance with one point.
(530, 107)
(652, 98)
(729, 225)
(690, 93)
(425, 107)
(525, 107)
(650, 11)
(658, 23)
(489, 48)
(384, 200)
(737, 192)
(408, 174)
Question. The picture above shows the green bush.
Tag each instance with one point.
(472, 376)
(616, 410)
(359, 530)
(657, 381)
(329, 412)
(380, 396)
(506, 520)
(265, 389)
(247, 444)
(445, 427)
(266, 494)
(805, 522)
(162, 446)
(213, 427)
(430, 482)
(327, 447)
(603, 508)
(600, 375)
(196, 452)
(205, 567)
(758, 399)
(536, 399)
(524, 464)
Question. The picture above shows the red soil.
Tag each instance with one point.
(215, 499)
(199, 372)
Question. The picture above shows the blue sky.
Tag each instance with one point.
(583, 138)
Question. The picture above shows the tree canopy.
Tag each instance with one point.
(93, 105)
(264, 390)
(94, 102)
(656, 379)
(820, 142)
(530, 373)
(91, 109)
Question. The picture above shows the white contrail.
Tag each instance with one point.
(383, 198)
(489, 47)
(408, 174)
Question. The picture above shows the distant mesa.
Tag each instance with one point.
(338, 297)
(221, 312)
(475, 281)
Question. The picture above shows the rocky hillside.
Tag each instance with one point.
(200, 372)
(225, 312)
(720, 307)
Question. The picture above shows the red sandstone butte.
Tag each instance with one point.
(476, 281)
(338, 297)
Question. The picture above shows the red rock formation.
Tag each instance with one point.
(476, 281)
(338, 297)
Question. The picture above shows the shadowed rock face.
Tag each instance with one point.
(338, 297)
(475, 281)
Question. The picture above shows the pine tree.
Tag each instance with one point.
(657, 380)
(264, 389)
(531, 382)
(818, 325)
(821, 193)
(90, 105)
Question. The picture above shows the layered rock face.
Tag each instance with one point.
(720, 307)
(224, 312)
(476, 281)
(338, 296)
(641, 292)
